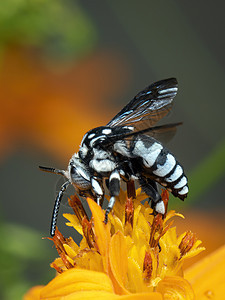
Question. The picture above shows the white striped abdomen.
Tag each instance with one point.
(160, 165)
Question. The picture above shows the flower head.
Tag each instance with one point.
(135, 255)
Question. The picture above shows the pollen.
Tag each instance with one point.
(147, 266)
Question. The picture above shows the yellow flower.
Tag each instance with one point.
(137, 255)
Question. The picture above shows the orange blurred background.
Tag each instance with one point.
(67, 67)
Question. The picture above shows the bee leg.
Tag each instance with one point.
(107, 183)
(150, 188)
(114, 190)
(97, 189)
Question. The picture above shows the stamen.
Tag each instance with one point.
(129, 211)
(156, 231)
(59, 240)
(88, 232)
(147, 266)
(187, 243)
(129, 217)
(77, 207)
(57, 268)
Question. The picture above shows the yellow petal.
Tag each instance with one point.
(135, 277)
(143, 225)
(90, 260)
(142, 296)
(102, 231)
(73, 222)
(91, 295)
(136, 215)
(175, 287)
(58, 261)
(207, 276)
(192, 253)
(33, 293)
(171, 214)
(95, 295)
(116, 223)
(70, 252)
(118, 259)
(169, 255)
(75, 280)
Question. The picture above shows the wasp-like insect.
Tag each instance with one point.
(128, 147)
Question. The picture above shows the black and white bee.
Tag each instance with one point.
(128, 148)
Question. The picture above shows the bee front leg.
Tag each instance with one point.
(96, 184)
(114, 190)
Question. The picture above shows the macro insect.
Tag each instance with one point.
(129, 147)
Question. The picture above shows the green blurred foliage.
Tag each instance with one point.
(23, 256)
(59, 28)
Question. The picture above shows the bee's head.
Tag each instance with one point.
(78, 174)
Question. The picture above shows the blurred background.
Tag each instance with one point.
(69, 66)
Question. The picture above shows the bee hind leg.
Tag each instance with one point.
(150, 188)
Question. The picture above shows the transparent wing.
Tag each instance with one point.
(163, 133)
(148, 106)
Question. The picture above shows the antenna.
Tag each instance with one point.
(58, 198)
(52, 170)
(56, 207)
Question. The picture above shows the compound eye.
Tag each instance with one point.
(73, 170)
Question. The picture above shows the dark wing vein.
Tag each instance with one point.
(148, 106)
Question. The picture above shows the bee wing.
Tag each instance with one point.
(148, 106)
(162, 133)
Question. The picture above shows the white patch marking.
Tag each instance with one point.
(82, 173)
(183, 191)
(181, 183)
(106, 131)
(167, 167)
(121, 147)
(84, 150)
(114, 175)
(95, 139)
(128, 127)
(98, 201)
(149, 92)
(176, 174)
(149, 155)
(96, 187)
(105, 165)
(91, 135)
(168, 90)
(160, 207)
(101, 154)
(76, 155)
(122, 173)
(111, 202)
